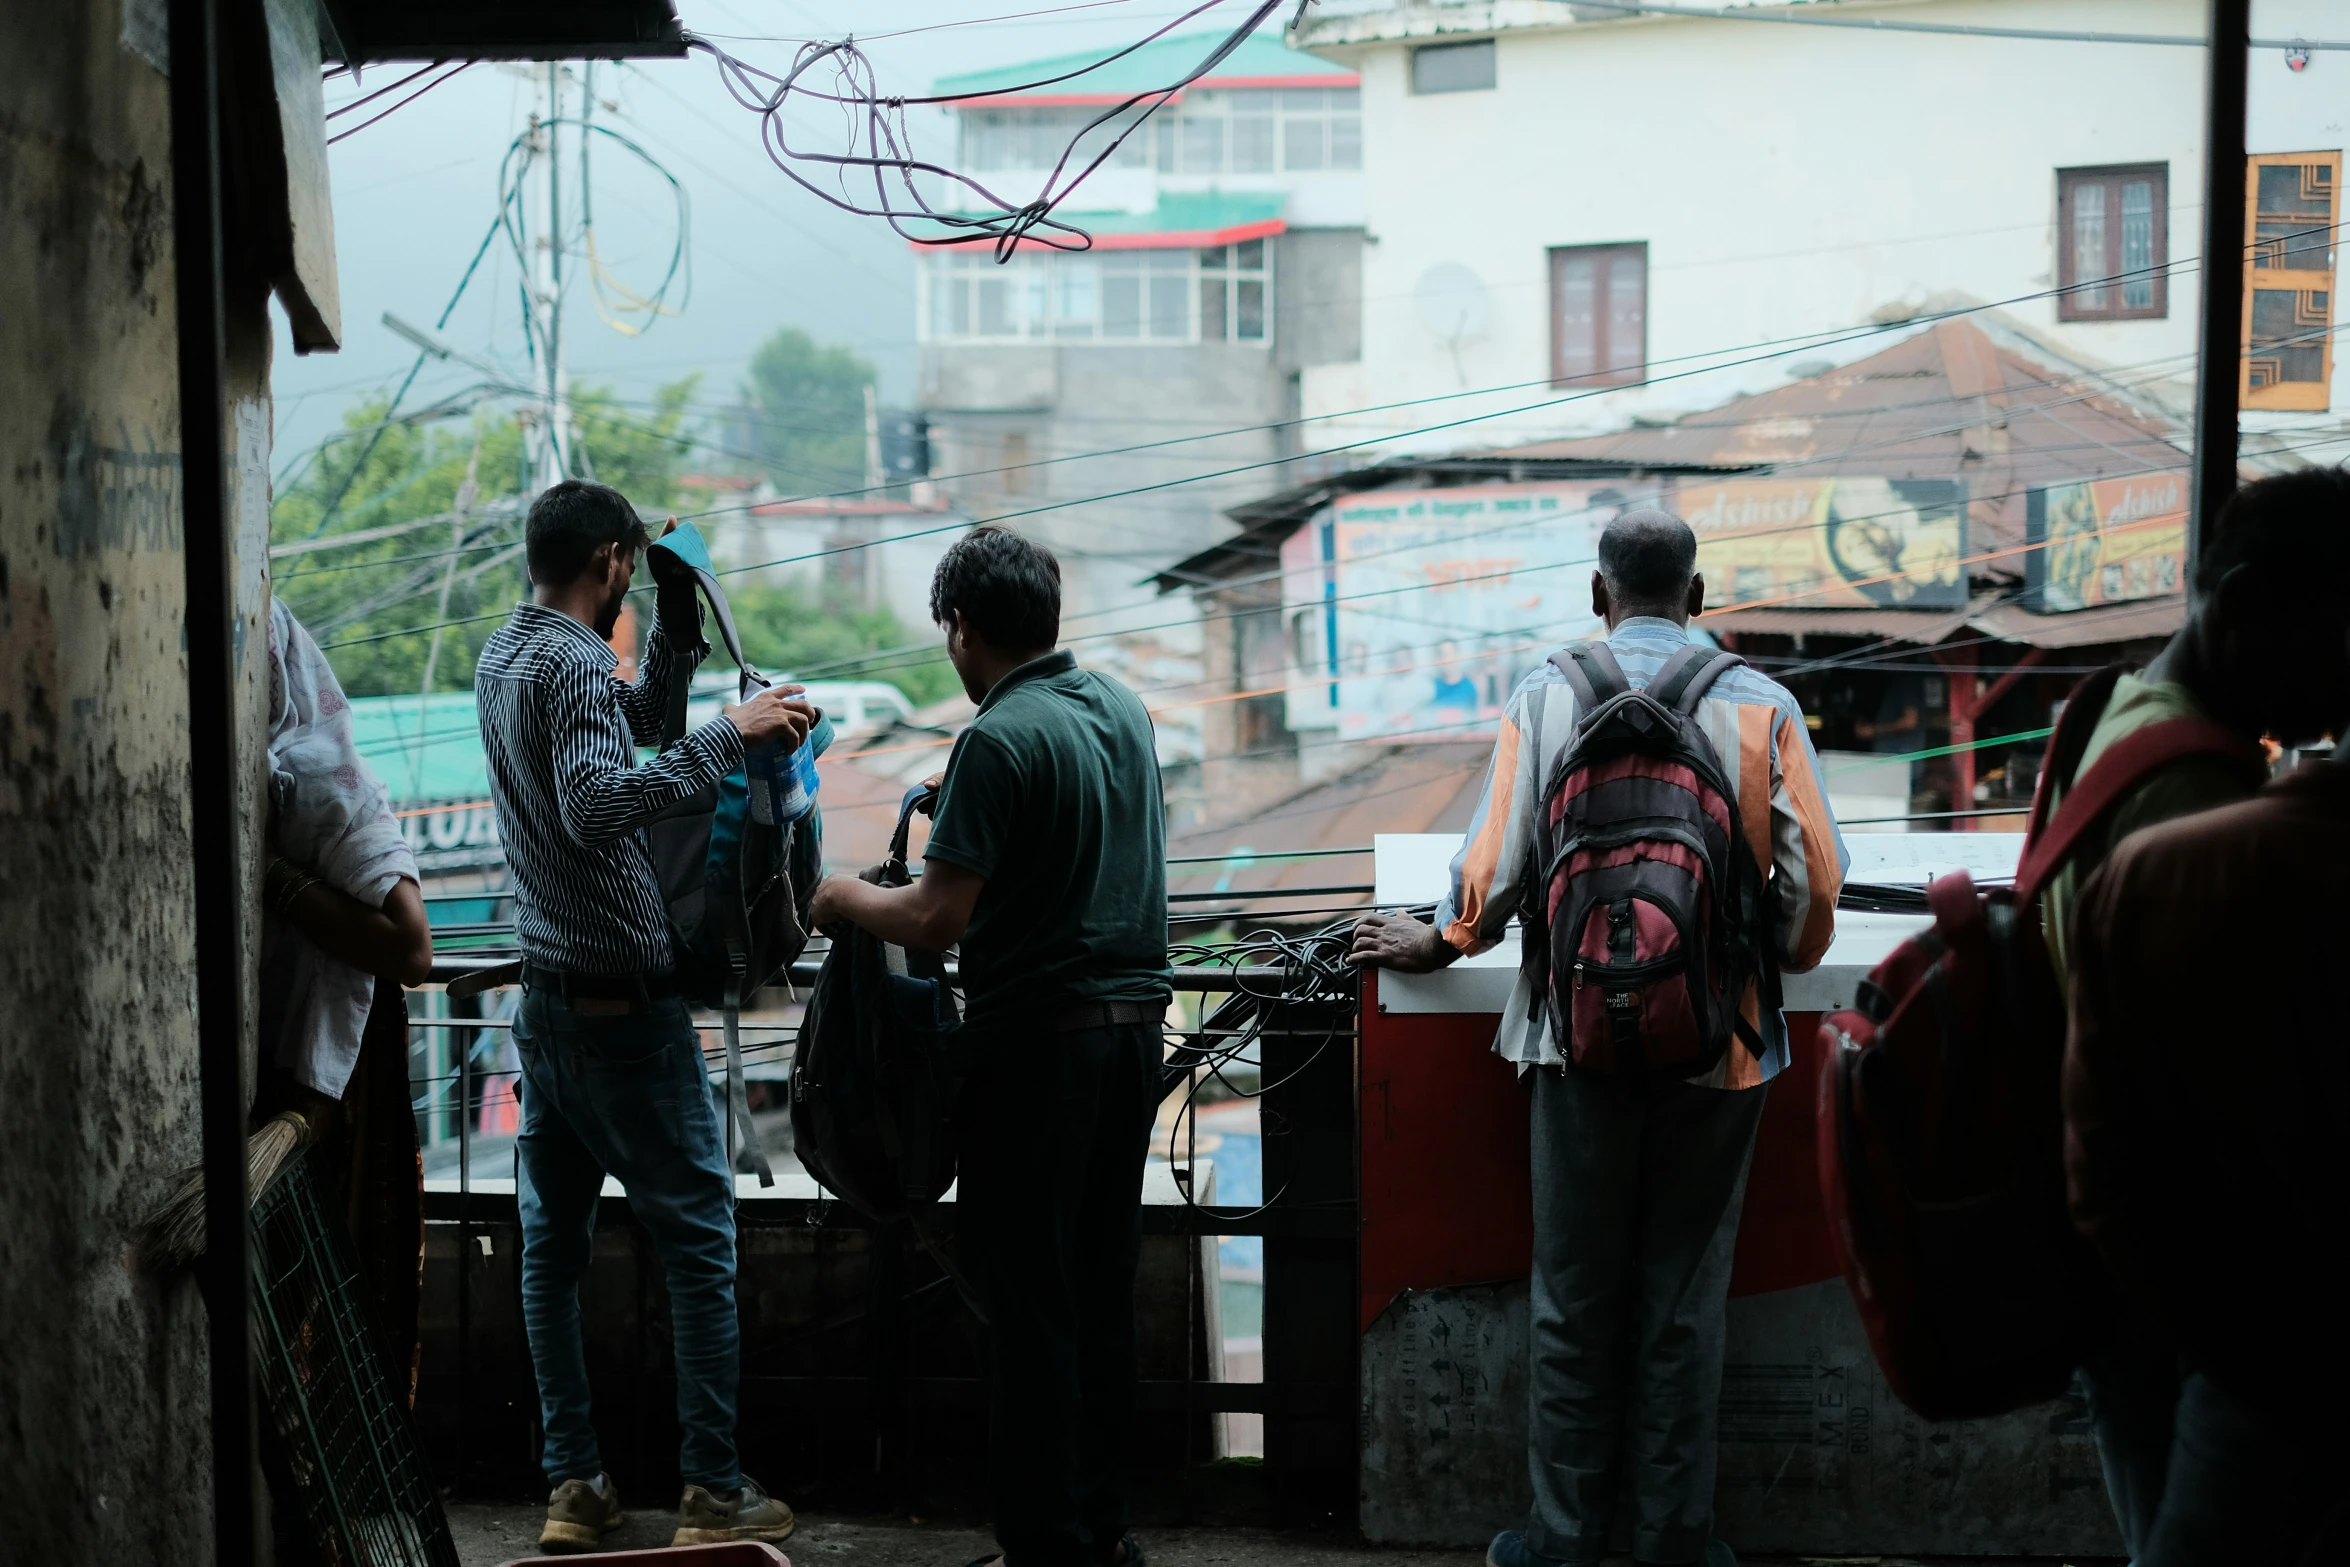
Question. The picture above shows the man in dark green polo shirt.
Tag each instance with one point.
(1047, 864)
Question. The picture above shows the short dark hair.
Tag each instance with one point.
(2292, 529)
(1007, 588)
(1647, 558)
(567, 523)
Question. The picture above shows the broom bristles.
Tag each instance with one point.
(173, 1235)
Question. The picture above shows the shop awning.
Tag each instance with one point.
(1991, 614)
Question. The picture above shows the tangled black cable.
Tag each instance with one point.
(878, 138)
(1311, 971)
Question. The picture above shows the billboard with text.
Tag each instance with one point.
(1413, 613)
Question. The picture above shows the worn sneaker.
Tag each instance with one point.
(580, 1513)
(1509, 1549)
(711, 1518)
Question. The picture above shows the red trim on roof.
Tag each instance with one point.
(1172, 239)
(1098, 100)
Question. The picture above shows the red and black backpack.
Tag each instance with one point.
(1645, 923)
(1941, 1126)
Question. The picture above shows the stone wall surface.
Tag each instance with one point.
(104, 1449)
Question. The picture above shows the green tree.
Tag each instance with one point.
(787, 631)
(370, 602)
(804, 413)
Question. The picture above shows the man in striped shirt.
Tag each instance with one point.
(1637, 1181)
(612, 1074)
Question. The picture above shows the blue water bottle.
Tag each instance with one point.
(783, 783)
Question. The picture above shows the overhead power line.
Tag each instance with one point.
(1797, 18)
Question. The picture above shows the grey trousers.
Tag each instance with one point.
(1637, 1188)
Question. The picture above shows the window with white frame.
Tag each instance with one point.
(994, 140)
(1221, 293)
(1263, 131)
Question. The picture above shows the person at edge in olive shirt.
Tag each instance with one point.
(1047, 863)
(2261, 653)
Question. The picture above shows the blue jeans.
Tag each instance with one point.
(625, 1094)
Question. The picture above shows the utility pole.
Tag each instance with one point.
(553, 462)
(2220, 364)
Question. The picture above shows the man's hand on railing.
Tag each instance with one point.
(1399, 942)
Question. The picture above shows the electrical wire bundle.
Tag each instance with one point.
(878, 139)
(1274, 970)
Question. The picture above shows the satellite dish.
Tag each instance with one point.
(1453, 303)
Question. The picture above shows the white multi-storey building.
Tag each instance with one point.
(1224, 257)
(1567, 199)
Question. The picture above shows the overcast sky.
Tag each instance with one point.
(415, 193)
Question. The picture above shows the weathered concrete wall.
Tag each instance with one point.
(103, 1402)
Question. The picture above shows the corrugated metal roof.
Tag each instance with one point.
(1261, 60)
(1993, 614)
(1905, 625)
(427, 750)
(1949, 402)
(1429, 787)
(2131, 622)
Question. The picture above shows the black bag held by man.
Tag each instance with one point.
(738, 865)
(875, 1078)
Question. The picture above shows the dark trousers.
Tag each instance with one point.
(2198, 1476)
(1053, 1138)
(1637, 1188)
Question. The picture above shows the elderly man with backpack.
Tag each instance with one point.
(1654, 817)
(612, 1074)
(1047, 865)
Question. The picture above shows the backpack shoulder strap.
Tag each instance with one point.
(1592, 674)
(1685, 677)
(2082, 709)
(2128, 763)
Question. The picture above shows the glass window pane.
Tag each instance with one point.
(1212, 258)
(1121, 299)
(1346, 142)
(1035, 311)
(1044, 136)
(959, 291)
(1255, 101)
(1170, 305)
(1302, 100)
(1170, 129)
(1252, 144)
(2138, 245)
(1203, 144)
(1627, 306)
(995, 307)
(1575, 317)
(1301, 144)
(1347, 98)
(1077, 300)
(1212, 293)
(2088, 240)
(1248, 320)
(1453, 67)
(1250, 255)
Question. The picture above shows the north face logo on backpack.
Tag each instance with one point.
(1647, 929)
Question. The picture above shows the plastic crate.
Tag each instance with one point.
(346, 1448)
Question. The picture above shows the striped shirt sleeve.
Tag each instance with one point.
(604, 796)
(1488, 874)
(1806, 848)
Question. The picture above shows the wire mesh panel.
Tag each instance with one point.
(348, 1450)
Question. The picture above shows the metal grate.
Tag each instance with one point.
(350, 1451)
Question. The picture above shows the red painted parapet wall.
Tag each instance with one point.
(1446, 1194)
